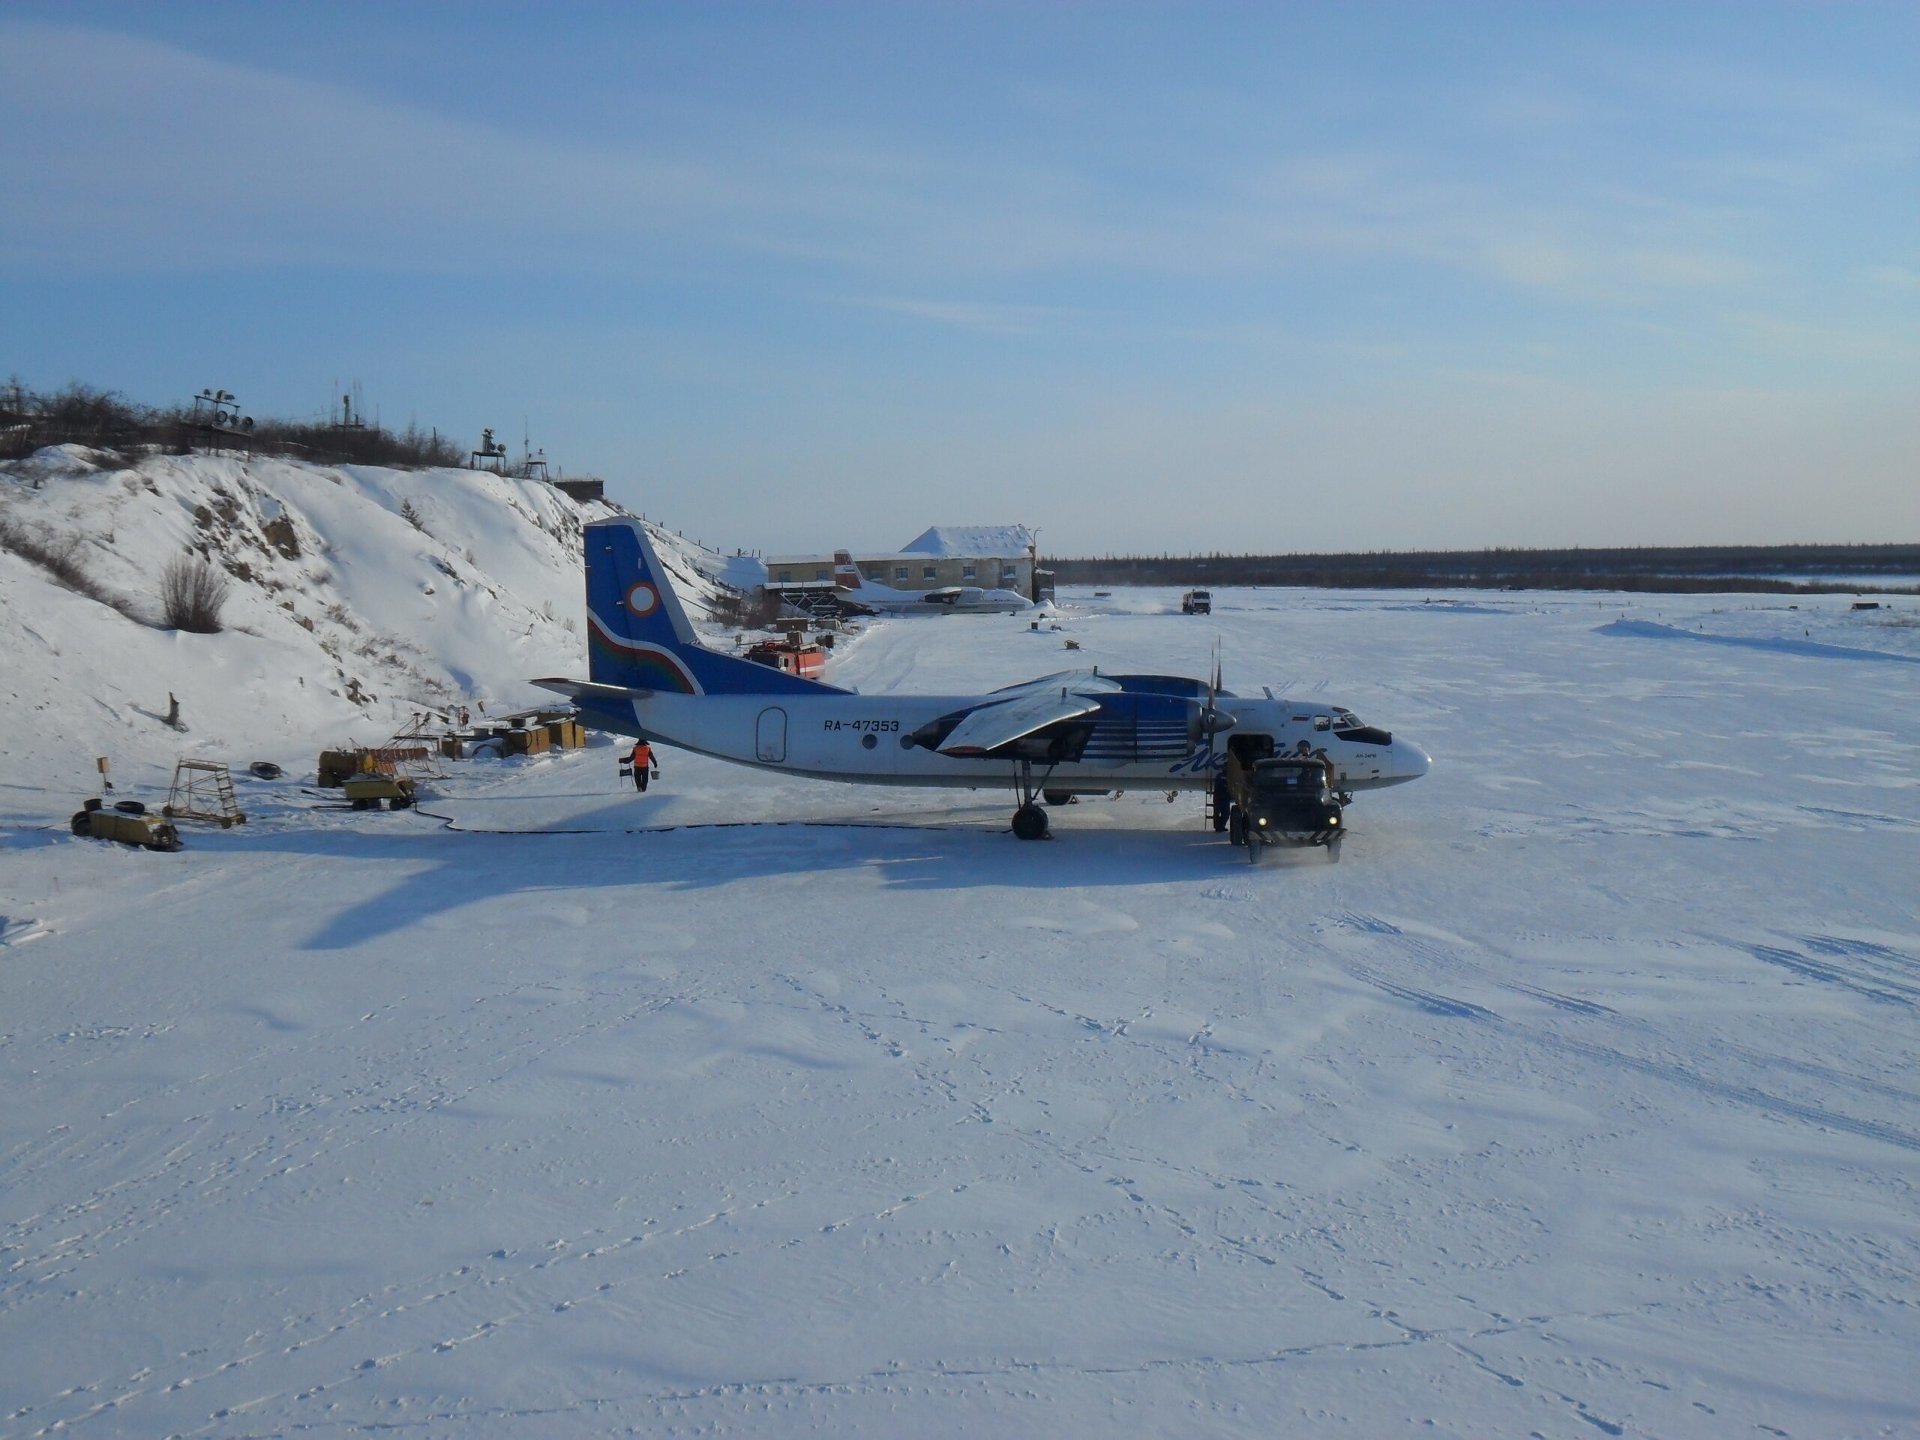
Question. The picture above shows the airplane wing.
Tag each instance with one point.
(1074, 682)
(1005, 721)
(589, 690)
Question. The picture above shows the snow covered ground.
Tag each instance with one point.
(1578, 1099)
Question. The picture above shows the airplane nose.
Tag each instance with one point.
(1413, 763)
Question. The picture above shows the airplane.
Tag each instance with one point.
(946, 600)
(1054, 738)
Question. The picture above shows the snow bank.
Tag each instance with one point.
(357, 596)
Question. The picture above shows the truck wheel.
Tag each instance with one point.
(1254, 846)
(399, 802)
(81, 824)
(1236, 826)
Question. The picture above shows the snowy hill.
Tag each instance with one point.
(356, 597)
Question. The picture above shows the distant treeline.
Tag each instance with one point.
(106, 420)
(1672, 569)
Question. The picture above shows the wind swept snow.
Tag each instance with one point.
(1578, 1099)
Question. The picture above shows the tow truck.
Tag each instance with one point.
(1277, 799)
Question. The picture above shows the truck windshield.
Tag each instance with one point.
(1290, 777)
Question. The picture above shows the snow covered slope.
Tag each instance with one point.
(356, 597)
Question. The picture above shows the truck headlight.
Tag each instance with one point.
(1263, 822)
(1333, 819)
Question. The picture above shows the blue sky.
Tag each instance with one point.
(1161, 278)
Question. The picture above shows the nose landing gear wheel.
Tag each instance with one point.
(1030, 822)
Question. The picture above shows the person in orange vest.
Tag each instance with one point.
(642, 765)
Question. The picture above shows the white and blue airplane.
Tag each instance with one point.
(1075, 733)
(863, 594)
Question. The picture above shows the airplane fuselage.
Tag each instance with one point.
(870, 739)
(1078, 732)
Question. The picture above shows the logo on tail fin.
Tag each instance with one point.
(635, 627)
(846, 574)
(638, 637)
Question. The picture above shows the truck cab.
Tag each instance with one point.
(1274, 798)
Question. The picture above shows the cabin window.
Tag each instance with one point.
(822, 575)
(969, 571)
(785, 577)
(1007, 572)
(927, 572)
(899, 572)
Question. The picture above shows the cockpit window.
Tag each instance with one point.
(1365, 735)
(1322, 722)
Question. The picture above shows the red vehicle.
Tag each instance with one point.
(807, 661)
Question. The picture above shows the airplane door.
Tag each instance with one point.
(770, 738)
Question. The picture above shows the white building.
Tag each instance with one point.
(994, 557)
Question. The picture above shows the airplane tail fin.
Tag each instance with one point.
(639, 637)
(846, 574)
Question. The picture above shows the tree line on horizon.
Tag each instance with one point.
(79, 414)
(1775, 568)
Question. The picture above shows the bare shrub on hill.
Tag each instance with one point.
(410, 449)
(60, 558)
(78, 415)
(106, 420)
(192, 595)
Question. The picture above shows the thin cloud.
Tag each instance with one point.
(1893, 277)
(980, 317)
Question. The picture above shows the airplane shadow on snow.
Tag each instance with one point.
(448, 870)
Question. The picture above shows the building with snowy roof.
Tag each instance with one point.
(993, 557)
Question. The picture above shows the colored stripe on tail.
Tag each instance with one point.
(638, 636)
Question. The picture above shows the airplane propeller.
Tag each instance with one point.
(1212, 718)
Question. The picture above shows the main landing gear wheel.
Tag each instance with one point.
(1030, 822)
